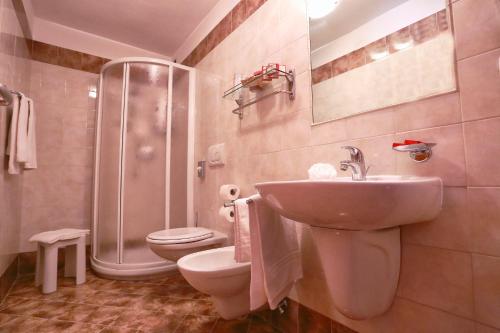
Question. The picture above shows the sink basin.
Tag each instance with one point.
(341, 203)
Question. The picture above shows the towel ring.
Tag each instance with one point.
(6, 95)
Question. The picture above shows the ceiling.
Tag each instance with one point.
(349, 15)
(155, 25)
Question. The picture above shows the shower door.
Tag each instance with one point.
(141, 158)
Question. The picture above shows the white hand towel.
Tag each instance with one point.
(22, 131)
(14, 167)
(242, 250)
(31, 158)
(276, 263)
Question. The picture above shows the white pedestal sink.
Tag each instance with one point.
(355, 225)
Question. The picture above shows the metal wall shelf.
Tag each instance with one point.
(240, 93)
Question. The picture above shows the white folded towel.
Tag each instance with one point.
(275, 257)
(50, 237)
(242, 251)
(14, 166)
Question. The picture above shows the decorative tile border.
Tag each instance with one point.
(51, 54)
(243, 10)
(66, 58)
(414, 34)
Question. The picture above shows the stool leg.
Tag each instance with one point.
(39, 265)
(50, 269)
(70, 261)
(80, 261)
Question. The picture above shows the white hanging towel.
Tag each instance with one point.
(242, 250)
(14, 167)
(31, 158)
(22, 131)
(275, 257)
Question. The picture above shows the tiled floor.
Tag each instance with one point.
(162, 305)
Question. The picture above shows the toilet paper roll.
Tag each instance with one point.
(227, 213)
(229, 192)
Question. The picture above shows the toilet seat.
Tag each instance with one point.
(179, 235)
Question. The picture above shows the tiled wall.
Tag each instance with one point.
(450, 269)
(58, 193)
(15, 73)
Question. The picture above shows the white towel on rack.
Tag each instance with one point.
(14, 166)
(22, 131)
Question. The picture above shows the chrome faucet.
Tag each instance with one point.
(357, 163)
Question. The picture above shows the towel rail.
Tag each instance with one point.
(6, 95)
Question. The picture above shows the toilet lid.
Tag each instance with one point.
(180, 235)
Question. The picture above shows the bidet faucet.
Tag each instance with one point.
(357, 163)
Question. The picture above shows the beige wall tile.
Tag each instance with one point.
(450, 230)
(332, 131)
(481, 143)
(484, 215)
(437, 278)
(274, 142)
(480, 85)
(369, 124)
(487, 289)
(477, 26)
(430, 112)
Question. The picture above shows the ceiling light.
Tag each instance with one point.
(319, 8)
(93, 92)
(379, 55)
(404, 45)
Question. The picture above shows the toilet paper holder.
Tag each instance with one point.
(231, 203)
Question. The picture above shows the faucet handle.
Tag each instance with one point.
(352, 150)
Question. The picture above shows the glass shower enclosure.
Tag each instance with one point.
(144, 149)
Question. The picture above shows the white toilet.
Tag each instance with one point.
(172, 244)
(216, 273)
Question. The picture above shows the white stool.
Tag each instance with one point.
(73, 240)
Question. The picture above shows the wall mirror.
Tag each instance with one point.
(371, 54)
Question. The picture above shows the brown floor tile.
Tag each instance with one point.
(49, 310)
(312, 322)
(178, 291)
(21, 307)
(232, 326)
(51, 326)
(82, 294)
(147, 320)
(196, 324)
(5, 318)
(172, 306)
(114, 329)
(77, 312)
(22, 325)
(258, 325)
(203, 308)
(104, 315)
(84, 328)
